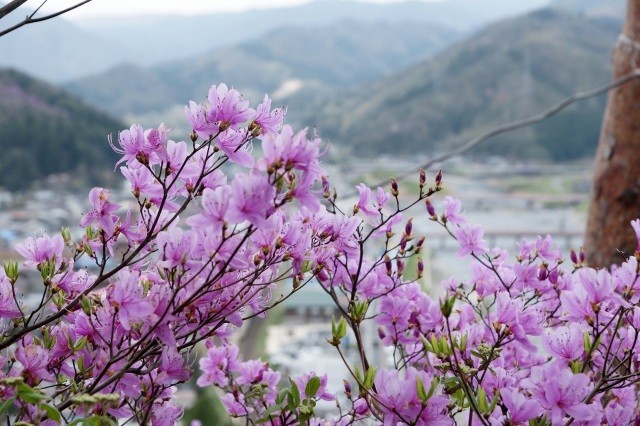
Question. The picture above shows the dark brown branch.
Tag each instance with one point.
(30, 19)
(10, 7)
(508, 127)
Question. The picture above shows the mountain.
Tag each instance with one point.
(45, 131)
(161, 38)
(293, 64)
(59, 50)
(510, 70)
(56, 50)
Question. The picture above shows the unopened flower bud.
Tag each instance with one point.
(420, 268)
(430, 209)
(326, 189)
(439, 179)
(394, 187)
(408, 227)
(582, 255)
(423, 178)
(419, 245)
(381, 333)
(400, 266)
(543, 273)
(66, 235)
(574, 257)
(11, 270)
(347, 388)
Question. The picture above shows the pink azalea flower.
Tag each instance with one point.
(560, 393)
(132, 143)
(252, 199)
(471, 240)
(452, 209)
(41, 249)
(268, 121)
(142, 182)
(231, 142)
(102, 211)
(34, 360)
(227, 107)
(174, 247)
(364, 202)
(234, 403)
(8, 307)
(564, 342)
(165, 413)
(172, 367)
(126, 294)
(217, 364)
(197, 117)
(520, 408)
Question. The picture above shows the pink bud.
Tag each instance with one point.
(439, 178)
(574, 257)
(430, 209)
(408, 227)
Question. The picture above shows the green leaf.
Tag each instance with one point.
(481, 398)
(291, 403)
(368, 380)
(295, 391)
(312, 387)
(358, 374)
(269, 412)
(80, 344)
(6, 405)
(52, 412)
(422, 392)
(29, 394)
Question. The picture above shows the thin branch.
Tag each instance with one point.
(31, 20)
(508, 127)
(10, 7)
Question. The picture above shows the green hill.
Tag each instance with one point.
(45, 131)
(507, 71)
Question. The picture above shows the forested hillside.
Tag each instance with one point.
(44, 130)
(510, 70)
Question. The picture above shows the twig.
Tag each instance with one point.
(30, 19)
(10, 7)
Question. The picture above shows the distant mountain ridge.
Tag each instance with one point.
(60, 50)
(44, 131)
(294, 65)
(509, 70)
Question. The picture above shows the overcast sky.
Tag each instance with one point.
(188, 7)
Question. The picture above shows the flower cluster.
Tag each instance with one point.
(212, 228)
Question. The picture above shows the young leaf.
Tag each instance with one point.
(52, 412)
(312, 387)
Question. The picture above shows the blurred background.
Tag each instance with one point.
(388, 84)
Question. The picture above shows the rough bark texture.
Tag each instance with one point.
(615, 197)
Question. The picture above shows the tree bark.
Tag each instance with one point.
(615, 195)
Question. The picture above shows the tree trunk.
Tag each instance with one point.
(615, 196)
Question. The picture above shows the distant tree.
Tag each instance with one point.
(31, 18)
(615, 197)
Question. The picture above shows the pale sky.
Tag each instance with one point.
(183, 7)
